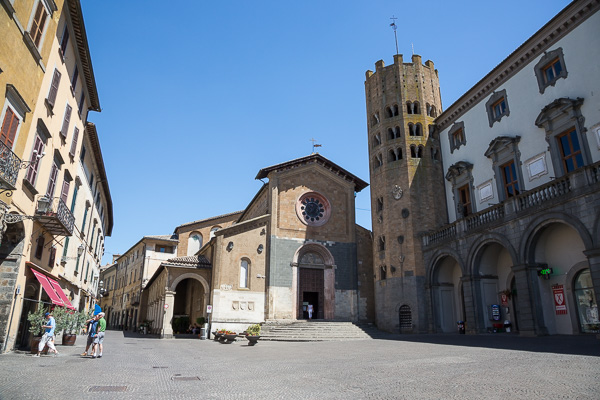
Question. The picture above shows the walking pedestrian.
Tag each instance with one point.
(92, 323)
(101, 328)
(48, 337)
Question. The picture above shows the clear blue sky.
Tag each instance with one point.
(197, 96)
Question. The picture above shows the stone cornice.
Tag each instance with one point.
(559, 26)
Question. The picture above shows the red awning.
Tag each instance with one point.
(48, 288)
(61, 293)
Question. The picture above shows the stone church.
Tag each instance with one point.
(295, 245)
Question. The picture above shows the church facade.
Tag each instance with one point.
(296, 246)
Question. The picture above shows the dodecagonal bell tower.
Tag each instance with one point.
(407, 188)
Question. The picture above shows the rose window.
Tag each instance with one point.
(313, 209)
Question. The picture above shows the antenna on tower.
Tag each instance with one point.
(394, 27)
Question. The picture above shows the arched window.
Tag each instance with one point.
(417, 107)
(194, 243)
(392, 156)
(411, 129)
(418, 130)
(378, 161)
(244, 273)
(395, 110)
(390, 134)
(388, 112)
(413, 151)
(213, 230)
(396, 132)
(376, 140)
(420, 151)
(409, 108)
(374, 119)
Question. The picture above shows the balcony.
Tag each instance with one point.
(135, 299)
(576, 184)
(9, 168)
(55, 217)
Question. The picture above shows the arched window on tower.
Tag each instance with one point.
(381, 243)
(418, 129)
(397, 132)
(376, 140)
(417, 107)
(420, 151)
(390, 134)
(374, 119)
(428, 108)
(413, 151)
(409, 108)
(392, 155)
(378, 161)
(388, 112)
(411, 129)
(395, 110)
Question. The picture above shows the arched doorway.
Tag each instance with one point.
(190, 301)
(315, 287)
(493, 270)
(447, 294)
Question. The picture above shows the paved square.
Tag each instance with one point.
(426, 367)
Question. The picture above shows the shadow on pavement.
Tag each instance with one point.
(584, 345)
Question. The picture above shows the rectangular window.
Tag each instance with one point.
(552, 70)
(82, 155)
(54, 87)
(74, 198)
(509, 178)
(458, 137)
(84, 218)
(570, 150)
(81, 99)
(64, 41)
(66, 121)
(87, 271)
(9, 127)
(52, 180)
(32, 170)
(52, 257)
(464, 194)
(499, 108)
(74, 79)
(379, 204)
(38, 23)
(66, 247)
(39, 249)
(244, 274)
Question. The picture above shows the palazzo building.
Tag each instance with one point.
(506, 227)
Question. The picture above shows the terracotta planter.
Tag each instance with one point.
(35, 342)
(68, 339)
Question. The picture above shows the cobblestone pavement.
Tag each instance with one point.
(426, 367)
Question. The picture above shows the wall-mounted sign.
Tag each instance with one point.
(559, 299)
(209, 309)
(504, 299)
(166, 306)
(495, 312)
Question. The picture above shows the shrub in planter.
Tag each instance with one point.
(36, 320)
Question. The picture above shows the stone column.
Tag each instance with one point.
(167, 328)
(529, 303)
(471, 321)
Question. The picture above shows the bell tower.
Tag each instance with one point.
(407, 187)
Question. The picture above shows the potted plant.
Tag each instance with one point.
(253, 334)
(228, 337)
(73, 323)
(36, 320)
(218, 334)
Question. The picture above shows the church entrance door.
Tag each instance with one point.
(311, 293)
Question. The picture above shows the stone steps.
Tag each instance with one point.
(317, 331)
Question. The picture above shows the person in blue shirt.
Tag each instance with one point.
(48, 337)
(92, 326)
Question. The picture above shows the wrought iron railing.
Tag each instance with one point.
(9, 166)
(57, 210)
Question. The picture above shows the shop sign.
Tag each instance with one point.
(559, 299)
(504, 300)
(495, 312)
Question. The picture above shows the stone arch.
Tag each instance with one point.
(437, 257)
(535, 228)
(314, 248)
(446, 291)
(485, 240)
(190, 275)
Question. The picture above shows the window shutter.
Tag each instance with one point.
(37, 26)
(54, 87)
(65, 191)
(74, 142)
(32, 171)
(52, 180)
(9, 128)
(65, 126)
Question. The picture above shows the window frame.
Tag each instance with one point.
(247, 273)
(574, 153)
(452, 136)
(495, 99)
(459, 175)
(548, 60)
(503, 150)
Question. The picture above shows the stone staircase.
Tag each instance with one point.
(318, 331)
